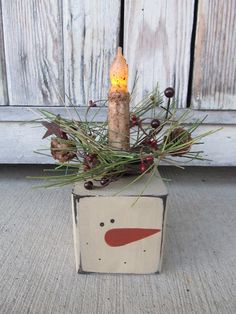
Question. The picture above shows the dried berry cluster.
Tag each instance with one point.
(81, 147)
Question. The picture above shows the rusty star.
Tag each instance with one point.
(53, 129)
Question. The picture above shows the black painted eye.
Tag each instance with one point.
(112, 221)
(102, 224)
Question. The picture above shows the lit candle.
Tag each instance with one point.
(118, 108)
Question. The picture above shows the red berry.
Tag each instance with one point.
(149, 158)
(155, 123)
(150, 141)
(104, 181)
(89, 158)
(142, 167)
(64, 135)
(135, 120)
(153, 143)
(88, 185)
(92, 104)
(147, 141)
(169, 92)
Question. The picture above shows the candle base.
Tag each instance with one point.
(119, 120)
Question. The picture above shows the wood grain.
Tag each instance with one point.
(214, 80)
(37, 273)
(3, 80)
(33, 46)
(157, 37)
(91, 34)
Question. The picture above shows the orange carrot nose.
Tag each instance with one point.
(123, 236)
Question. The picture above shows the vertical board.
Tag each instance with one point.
(91, 34)
(3, 83)
(157, 42)
(33, 47)
(214, 80)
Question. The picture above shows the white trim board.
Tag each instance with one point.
(10, 113)
(18, 141)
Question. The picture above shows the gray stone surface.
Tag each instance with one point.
(37, 272)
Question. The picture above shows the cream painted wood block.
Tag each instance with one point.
(119, 233)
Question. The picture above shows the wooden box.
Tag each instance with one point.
(116, 233)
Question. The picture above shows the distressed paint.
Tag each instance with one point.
(75, 232)
(84, 55)
(157, 39)
(214, 83)
(3, 80)
(33, 49)
(91, 34)
(140, 253)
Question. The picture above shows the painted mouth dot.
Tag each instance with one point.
(144, 250)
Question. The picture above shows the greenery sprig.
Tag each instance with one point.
(83, 154)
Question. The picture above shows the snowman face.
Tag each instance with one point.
(117, 236)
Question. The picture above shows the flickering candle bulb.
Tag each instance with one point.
(119, 74)
(118, 107)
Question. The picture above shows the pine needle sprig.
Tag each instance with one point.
(84, 154)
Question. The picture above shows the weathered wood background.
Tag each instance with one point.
(53, 48)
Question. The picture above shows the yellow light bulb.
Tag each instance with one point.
(119, 74)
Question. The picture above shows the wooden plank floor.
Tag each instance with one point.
(37, 272)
